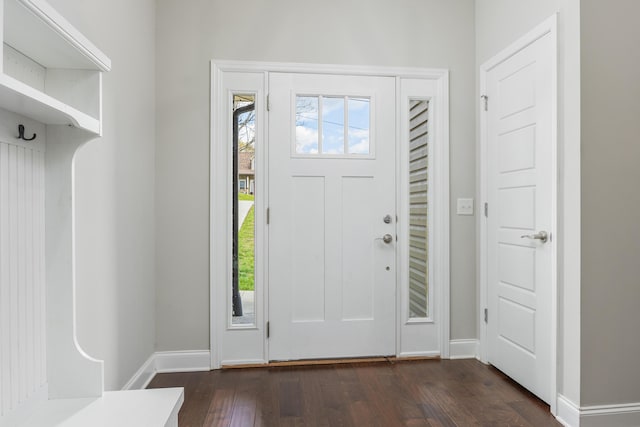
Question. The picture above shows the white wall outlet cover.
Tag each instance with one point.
(465, 207)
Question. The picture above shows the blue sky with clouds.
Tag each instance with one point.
(333, 126)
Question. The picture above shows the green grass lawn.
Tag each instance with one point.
(246, 249)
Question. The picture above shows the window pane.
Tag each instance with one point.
(244, 140)
(324, 122)
(332, 125)
(307, 124)
(359, 125)
(418, 210)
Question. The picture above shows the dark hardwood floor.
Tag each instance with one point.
(407, 393)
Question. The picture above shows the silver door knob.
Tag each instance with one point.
(387, 238)
(543, 236)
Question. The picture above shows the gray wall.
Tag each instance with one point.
(427, 33)
(610, 196)
(498, 24)
(115, 191)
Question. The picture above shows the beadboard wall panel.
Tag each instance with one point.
(22, 268)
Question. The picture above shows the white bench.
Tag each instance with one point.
(135, 408)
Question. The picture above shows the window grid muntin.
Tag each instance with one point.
(347, 151)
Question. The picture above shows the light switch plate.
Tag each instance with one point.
(465, 207)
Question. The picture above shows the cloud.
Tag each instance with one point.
(306, 140)
(358, 141)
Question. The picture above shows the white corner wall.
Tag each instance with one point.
(498, 24)
(115, 192)
(429, 33)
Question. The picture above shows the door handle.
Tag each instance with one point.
(543, 236)
(387, 238)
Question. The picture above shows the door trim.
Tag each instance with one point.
(219, 219)
(548, 27)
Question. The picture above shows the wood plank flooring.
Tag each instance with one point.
(432, 393)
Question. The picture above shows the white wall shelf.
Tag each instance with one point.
(37, 30)
(49, 71)
(22, 99)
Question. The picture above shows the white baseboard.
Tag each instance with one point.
(143, 376)
(463, 349)
(183, 361)
(567, 413)
(169, 361)
(624, 415)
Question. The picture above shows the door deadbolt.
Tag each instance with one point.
(387, 219)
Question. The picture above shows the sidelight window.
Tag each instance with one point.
(243, 141)
(418, 209)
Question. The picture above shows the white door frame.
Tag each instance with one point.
(220, 219)
(548, 27)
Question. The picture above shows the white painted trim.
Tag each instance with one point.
(292, 67)
(443, 230)
(218, 262)
(169, 361)
(620, 415)
(464, 349)
(143, 376)
(610, 409)
(399, 197)
(549, 26)
(568, 413)
(183, 361)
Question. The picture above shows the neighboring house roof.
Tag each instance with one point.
(245, 163)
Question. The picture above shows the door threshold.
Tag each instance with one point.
(321, 362)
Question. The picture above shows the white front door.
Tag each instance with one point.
(332, 290)
(520, 185)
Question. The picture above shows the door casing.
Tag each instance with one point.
(220, 226)
(548, 27)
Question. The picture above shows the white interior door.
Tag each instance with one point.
(520, 184)
(332, 290)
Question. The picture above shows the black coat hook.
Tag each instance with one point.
(21, 134)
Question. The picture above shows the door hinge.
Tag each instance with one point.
(268, 330)
(485, 98)
(268, 216)
(486, 209)
(268, 103)
(486, 315)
